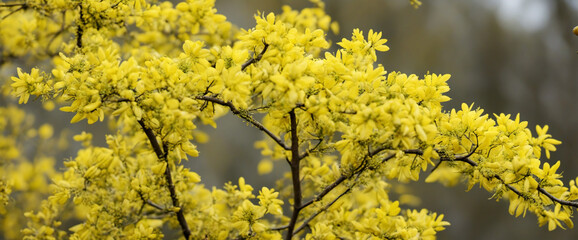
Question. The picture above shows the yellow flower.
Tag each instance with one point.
(374, 38)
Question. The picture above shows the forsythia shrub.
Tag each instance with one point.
(346, 127)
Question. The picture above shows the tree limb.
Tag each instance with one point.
(162, 155)
(295, 172)
(466, 158)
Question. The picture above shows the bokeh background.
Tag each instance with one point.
(505, 56)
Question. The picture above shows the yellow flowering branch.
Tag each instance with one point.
(552, 197)
(162, 155)
(363, 167)
(466, 159)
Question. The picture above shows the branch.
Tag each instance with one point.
(325, 191)
(153, 140)
(255, 59)
(149, 202)
(80, 27)
(23, 7)
(515, 190)
(278, 228)
(152, 204)
(466, 159)
(308, 151)
(13, 5)
(555, 199)
(323, 209)
(336, 183)
(295, 170)
(341, 179)
(246, 118)
(162, 155)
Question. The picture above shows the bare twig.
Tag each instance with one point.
(155, 205)
(255, 59)
(60, 31)
(247, 118)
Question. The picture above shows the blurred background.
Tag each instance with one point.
(512, 56)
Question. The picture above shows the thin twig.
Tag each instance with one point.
(255, 59)
(13, 4)
(466, 158)
(149, 202)
(278, 228)
(563, 202)
(162, 155)
(55, 35)
(16, 10)
(323, 209)
(325, 191)
(155, 205)
(342, 178)
(247, 118)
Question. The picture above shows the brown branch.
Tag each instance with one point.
(15, 11)
(295, 172)
(278, 228)
(80, 27)
(336, 183)
(153, 140)
(13, 5)
(323, 209)
(466, 158)
(152, 204)
(325, 191)
(342, 178)
(247, 118)
(255, 59)
(555, 199)
(149, 202)
(162, 155)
